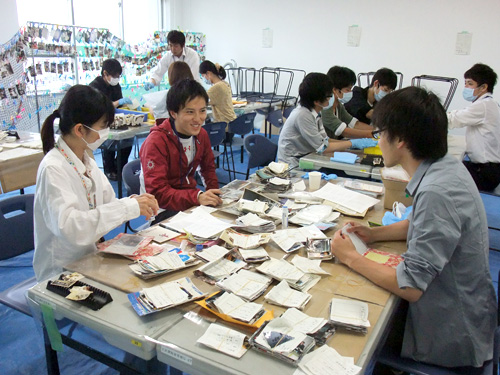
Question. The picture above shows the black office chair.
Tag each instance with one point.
(130, 177)
(261, 151)
(217, 133)
(241, 126)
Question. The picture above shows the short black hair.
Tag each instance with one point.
(183, 92)
(482, 74)
(341, 77)
(314, 87)
(112, 66)
(385, 77)
(176, 37)
(417, 118)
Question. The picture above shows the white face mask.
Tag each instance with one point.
(103, 136)
(330, 103)
(346, 98)
(114, 81)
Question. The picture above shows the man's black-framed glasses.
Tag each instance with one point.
(376, 134)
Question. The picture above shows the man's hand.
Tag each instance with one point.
(343, 248)
(210, 198)
(362, 231)
(147, 204)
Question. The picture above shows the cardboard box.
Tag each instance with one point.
(395, 192)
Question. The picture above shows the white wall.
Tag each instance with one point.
(411, 36)
(8, 20)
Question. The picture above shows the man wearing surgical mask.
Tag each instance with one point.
(337, 121)
(109, 84)
(364, 100)
(482, 122)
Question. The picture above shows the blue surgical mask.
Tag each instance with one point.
(346, 97)
(468, 94)
(206, 80)
(380, 95)
(330, 103)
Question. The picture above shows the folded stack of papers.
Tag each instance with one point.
(236, 307)
(293, 239)
(364, 187)
(326, 360)
(246, 284)
(256, 206)
(283, 295)
(219, 269)
(277, 184)
(131, 246)
(308, 265)
(280, 339)
(280, 269)
(345, 200)
(254, 224)
(164, 296)
(258, 254)
(244, 241)
(278, 169)
(211, 253)
(166, 262)
(315, 213)
(225, 340)
(159, 234)
(350, 314)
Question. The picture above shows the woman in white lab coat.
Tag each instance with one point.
(75, 205)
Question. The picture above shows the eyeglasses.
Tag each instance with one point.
(376, 134)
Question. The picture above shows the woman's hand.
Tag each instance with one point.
(148, 205)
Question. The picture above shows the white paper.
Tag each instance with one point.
(252, 206)
(299, 186)
(349, 312)
(159, 233)
(199, 223)
(237, 308)
(170, 294)
(165, 261)
(257, 253)
(353, 36)
(283, 295)
(303, 322)
(246, 284)
(307, 265)
(358, 243)
(463, 43)
(287, 238)
(213, 253)
(326, 360)
(221, 268)
(279, 181)
(282, 326)
(347, 198)
(281, 270)
(225, 340)
(278, 168)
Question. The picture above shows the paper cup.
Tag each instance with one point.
(314, 180)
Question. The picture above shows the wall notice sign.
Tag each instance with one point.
(463, 44)
(353, 36)
(267, 38)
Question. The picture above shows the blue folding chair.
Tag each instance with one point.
(261, 151)
(287, 111)
(241, 126)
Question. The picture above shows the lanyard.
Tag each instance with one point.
(72, 163)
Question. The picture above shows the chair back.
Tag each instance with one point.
(275, 118)
(16, 226)
(242, 125)
(216, 132)
(130, 176)
(261, 150)
(287, 111)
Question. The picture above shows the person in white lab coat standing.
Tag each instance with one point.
(178, 52)
(75, 204)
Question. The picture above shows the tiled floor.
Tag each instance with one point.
(21, 344)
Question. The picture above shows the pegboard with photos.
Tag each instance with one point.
(42, 60)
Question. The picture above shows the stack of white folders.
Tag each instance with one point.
(280, 269)
(350, 314)
(246, 284)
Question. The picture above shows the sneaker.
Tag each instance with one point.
(111, 176)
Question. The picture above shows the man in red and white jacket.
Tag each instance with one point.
(175, 149)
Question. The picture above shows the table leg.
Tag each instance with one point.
(119, 169)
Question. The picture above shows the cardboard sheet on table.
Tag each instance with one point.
(351, 284)
(268, 315)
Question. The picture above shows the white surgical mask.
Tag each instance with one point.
(206, 80)
(346, 97)
(468, 94)
(380, 95)
(330, 103)
(103, 136)
(114, 81)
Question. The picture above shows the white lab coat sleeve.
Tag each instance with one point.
(194, 64)
(65, 217)
(473, 115)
